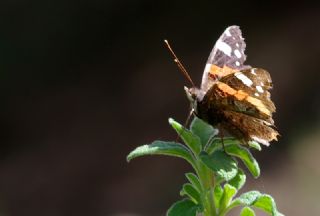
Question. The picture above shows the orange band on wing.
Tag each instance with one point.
(217, 72)
(241, 95)
(259, 105)
(228, 70)
(226, 88)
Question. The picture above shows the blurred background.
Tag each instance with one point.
(85, 82)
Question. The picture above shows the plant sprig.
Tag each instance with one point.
(211, 190)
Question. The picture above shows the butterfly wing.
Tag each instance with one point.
(227, 54)
(253, 85)
(229, 49)
(244, 116)
(222, 96)
(248, 128)
(242, 102)
(236, 95)
(256, 81)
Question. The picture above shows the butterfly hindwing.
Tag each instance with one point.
(248, 127)
(243, 92)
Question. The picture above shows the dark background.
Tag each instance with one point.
(85, 82)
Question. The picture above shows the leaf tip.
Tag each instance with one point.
(255, 145)
(128, 158)
(171, 121)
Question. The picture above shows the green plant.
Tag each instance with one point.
(212, 189)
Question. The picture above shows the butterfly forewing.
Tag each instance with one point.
(228, 52)
(229, 49)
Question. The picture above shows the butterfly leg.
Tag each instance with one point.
(185, 124)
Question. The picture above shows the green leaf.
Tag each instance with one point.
(202, 130)
(218, 192)
(191, 192)
(217, 143)
(228, 193)
(256, 199)
(239, 180)
(221, 164)
(163, 148)
(246, 199)
(246, 211)
(194, 180)
(190, 139)
(255, 145)
(247, 158)
(183, 208)
(266, 203)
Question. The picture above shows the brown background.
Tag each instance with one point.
(85, 82)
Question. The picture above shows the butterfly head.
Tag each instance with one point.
(194, 95)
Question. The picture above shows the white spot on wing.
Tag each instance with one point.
(225, 48)
(259, 89)
(256, 94)
(237, 44)
(267, 123)
(243, 78)
(260, 140)
(237, 63)
(237, 53)
(228, 32)
(253, 72)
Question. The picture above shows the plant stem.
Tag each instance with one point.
(207, 184)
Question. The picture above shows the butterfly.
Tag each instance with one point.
(233, 96)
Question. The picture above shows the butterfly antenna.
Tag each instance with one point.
(177, 61)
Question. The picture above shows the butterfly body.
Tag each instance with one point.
(232, 95)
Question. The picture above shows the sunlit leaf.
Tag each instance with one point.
(266, 203)
(183, 208)
(246, 211)
(218, 192)
(194, 180)
(256, 199)
(228, 193)
(246, 199)
(217, 143)
(163, 148)
(239, 180)
(255, 145)
(191, 192)
(244, 154)
(190, 139)
(202, 130)
(221, 164)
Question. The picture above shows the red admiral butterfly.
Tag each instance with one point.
(232, 95)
